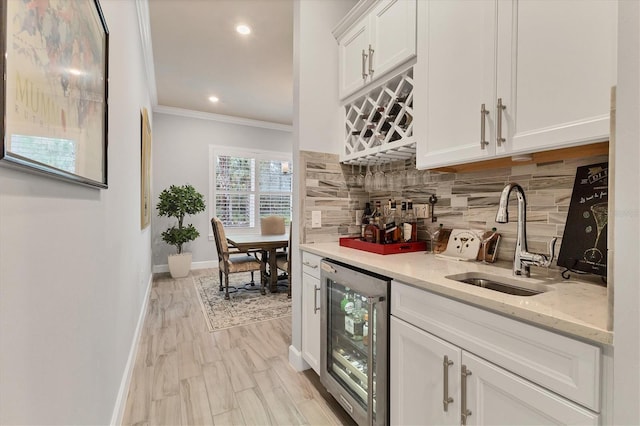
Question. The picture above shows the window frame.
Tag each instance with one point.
(258, 155)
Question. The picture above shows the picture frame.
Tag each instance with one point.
(145, 169)
(54, 98)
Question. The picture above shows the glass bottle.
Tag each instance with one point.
(354, 320)
(410, 223)
(366, 216)
(365, 329)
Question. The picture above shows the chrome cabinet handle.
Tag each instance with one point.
(371, 60)
(316, 289)
(483, 118)
(446, 400)
(311, 265)
(464, 412)
(501, 107)
(364, 60)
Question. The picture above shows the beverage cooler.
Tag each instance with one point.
(354, 333)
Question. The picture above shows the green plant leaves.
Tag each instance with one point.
(177, 237)
(179, 201)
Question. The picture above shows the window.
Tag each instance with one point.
(249, 184)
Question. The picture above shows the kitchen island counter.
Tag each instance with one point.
(574, 307)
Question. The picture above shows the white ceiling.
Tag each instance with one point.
(197, 53)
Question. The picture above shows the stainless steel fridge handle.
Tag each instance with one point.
(371, 301)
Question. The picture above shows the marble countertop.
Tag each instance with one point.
(574, 307)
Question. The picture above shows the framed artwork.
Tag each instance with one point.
(145, 169)
(53, 102)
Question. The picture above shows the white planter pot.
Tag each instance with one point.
(179, 265)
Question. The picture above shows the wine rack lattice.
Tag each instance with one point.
(379, 125)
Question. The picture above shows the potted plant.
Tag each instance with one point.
(179, 201)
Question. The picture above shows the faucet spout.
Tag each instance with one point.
(522, 259)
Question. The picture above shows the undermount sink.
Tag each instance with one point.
(500, 284)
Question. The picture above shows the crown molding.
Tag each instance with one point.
(142, 7)
(222, 118)
(357, 12)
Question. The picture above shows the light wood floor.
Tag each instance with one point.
(185, 375)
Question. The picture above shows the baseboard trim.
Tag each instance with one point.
(207, 264)
(296, 360)
(121, 400)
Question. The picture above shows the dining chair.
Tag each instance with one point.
(232, 265)
(272, 225)
(283, 261)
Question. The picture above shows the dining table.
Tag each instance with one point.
(268, 245)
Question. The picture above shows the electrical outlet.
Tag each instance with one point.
(421, 210)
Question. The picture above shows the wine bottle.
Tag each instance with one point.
(411, 223)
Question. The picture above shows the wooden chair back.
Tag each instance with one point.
(220, 237)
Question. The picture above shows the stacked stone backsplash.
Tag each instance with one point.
(465, 200)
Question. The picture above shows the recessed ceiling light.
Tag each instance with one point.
(243, 29)
(213, 99)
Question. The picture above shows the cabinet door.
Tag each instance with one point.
(556, 65)
(311, 321)
(393, 34)
(417, 377)
(496, 397)
(353, 69)
(455, 75)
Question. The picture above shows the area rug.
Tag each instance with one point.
(245, 307)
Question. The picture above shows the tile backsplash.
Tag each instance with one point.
(465, 200)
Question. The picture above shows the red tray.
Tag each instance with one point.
(357, 243)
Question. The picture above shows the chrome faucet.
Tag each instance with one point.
(522, 259)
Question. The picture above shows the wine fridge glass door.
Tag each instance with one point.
(354, 359)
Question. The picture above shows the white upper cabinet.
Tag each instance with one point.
(377, 42)
(353, 58)
(454, 77)
(549, 64)
(556, 66)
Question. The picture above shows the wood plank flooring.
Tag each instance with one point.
(185, 375)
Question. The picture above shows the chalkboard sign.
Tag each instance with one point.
(584, 243)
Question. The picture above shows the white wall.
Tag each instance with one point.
(74, 266)
(181, 156)
(317, 115)
(627, 217)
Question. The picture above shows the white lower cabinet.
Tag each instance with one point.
(427, 371)
(495, 396)
(419, 380)
(439, 380)
(311, 310)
